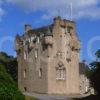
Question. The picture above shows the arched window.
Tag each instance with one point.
(60, 72)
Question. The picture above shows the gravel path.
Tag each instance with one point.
(52, 97)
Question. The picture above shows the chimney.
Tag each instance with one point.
(27, 28)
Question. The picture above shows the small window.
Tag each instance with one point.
(68, 54)
(38, 40)
(25, 73)
(26, 46)
(32, 38)
(59, 54)
(68, 29)
(25, 89)
(36, 53)
(25, 55)
(40, 72)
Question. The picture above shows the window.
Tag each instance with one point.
(59, 54)
(25, 73)
(68, 54)
(25, 55)
(60, 72)
(32, 38)
(68, 29)
(26, 49)
(38, 40)
(40, 72)
(36, 53)
(25, 89)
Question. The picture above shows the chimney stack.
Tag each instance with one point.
(57, 20)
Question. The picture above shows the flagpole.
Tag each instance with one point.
(71, 11)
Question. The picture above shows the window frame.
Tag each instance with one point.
(60, 72)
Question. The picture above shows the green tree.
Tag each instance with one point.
(98, 55)
(10, 64)
(8, 87)
(95, 77)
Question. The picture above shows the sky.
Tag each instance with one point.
(14, 14)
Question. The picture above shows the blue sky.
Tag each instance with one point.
(14, 14)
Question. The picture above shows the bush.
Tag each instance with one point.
(8, 88)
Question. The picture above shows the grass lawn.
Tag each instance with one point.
(30, 98)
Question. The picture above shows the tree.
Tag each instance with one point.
(98, 55)
(10, 63)
(95, 77)
(8, 70)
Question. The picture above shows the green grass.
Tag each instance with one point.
(29, 98)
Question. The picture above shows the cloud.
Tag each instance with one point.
(81, 8)
(2, 11)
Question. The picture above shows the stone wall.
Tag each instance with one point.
(56, 52)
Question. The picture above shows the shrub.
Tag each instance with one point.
(8, 88)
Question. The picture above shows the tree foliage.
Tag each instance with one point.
(10, 64)
(98, 54)
(95, 77)
(8, 87)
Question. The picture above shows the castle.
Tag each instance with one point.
(48, 59)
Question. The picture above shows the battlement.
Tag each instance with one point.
(47, 34)
(29, 32)
(63, 22)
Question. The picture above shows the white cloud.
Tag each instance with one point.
(81, 8)
(2, 11)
